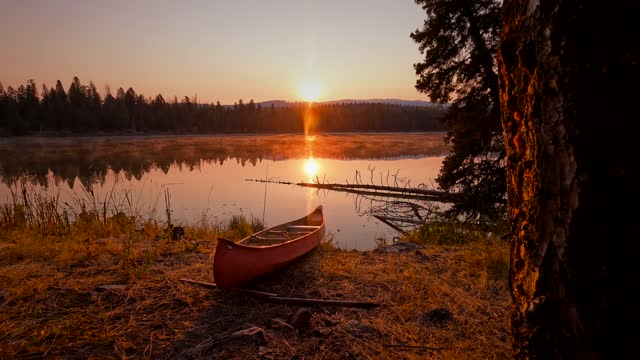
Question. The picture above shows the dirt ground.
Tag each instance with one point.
(434, 302)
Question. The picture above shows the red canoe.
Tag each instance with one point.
(236, 264)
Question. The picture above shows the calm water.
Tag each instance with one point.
(209, 178)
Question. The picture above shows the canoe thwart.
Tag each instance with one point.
(262, 241)
(292, 228)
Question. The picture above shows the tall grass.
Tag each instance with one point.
(27, 210)
(35, 225)
(238, 227)
(492, 252)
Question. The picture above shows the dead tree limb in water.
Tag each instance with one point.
(441, 195)
(374, 190)
(391, 225)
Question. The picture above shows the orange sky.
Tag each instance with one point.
(216, 50)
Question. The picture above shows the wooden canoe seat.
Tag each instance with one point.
(302, 228)
(264, 241)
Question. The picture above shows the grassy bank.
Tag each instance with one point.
(108, 287)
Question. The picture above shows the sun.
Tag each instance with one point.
(311, 90)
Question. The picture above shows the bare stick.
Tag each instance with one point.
(415, 347)
(201, 283)
(401, 219)
(391, 225)
(405, 189)
(213, 285)
(308, 301)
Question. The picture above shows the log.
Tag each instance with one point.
(310, 301)
(201, 283)
(213, 285)
(415, 347)
(386, 194)
(393, 218)
(378, 187)
(374, 190)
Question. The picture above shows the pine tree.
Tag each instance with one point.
(459, 40)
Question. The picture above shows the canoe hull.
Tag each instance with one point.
(236, 264)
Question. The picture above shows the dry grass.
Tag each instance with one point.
(448, 300)
(50, 305)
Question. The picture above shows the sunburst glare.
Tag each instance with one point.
(311, 90)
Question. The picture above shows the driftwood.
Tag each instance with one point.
(404, 190)
(384, 191)
(274, 297)
(201, 283)
(392, 225)
(402, 219)
(309, 301)
(373, 190)
(213, 285)
(415, 347)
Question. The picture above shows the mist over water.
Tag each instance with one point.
(208, 177)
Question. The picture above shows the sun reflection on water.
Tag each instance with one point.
(311, 167)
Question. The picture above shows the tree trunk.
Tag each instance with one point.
(566, 68)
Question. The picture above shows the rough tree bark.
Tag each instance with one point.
(568, 82)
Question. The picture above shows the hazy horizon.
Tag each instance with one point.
(216, 51)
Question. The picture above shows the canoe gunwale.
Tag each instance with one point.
(284, 225)
(238, 244)
(236, 264)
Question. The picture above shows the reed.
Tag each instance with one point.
(37, 226)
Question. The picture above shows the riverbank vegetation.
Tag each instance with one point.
(81, 282)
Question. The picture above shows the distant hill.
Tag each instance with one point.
(381, 101)
(281, 103)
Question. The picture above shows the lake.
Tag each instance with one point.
(210, 178)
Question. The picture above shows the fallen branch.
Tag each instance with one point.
(214, 286)
(415, 347)
(201, 283)
(400, 219)
(309, 301)
(291, 300)
(376, 190)
(377, 193)
(392, 225)
(270, 181)
(403, 190)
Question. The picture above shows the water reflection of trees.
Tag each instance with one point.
(90, 159)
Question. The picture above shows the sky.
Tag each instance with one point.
(216, 50)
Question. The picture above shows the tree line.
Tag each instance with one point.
(81, 109)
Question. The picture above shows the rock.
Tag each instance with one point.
(357, 329)
(252, 335)
(4, 295)
(300, 318)
(398, 248)
(101, 288)
(329, 322)
(422, 256)
(177, 233)
(322, 331)
(502, 336)
(278, 323)
(438, 317)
